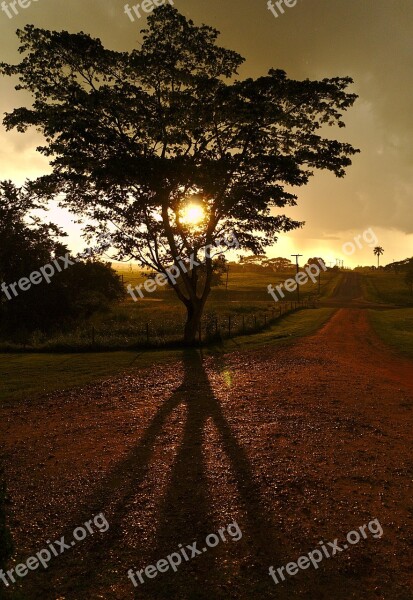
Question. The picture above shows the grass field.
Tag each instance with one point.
(24, 376)
(390, 288)
(248, 287)
(27, 375)
(246, 300)
(395, 327)
(159, 317)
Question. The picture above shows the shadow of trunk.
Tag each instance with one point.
(185, 512)
(186, 515)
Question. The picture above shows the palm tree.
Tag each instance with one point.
(378, 251)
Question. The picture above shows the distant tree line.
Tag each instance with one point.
(403, 268)
(400, 266)
(263, 264)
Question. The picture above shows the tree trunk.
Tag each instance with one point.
(195, 310)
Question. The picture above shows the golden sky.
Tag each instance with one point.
(369, 40)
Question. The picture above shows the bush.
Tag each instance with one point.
(71, 297)
(72, 294)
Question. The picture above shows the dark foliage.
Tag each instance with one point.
(27, 245)
(133, 136)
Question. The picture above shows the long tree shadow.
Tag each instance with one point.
(185, 513)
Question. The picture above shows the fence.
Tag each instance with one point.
(127, 334)
(213, 326)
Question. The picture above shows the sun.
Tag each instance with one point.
(192, 214)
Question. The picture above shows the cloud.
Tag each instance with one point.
(370, 40)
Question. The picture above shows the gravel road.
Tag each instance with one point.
(297, 444)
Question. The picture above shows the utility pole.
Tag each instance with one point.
(297, 269)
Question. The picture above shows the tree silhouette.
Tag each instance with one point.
(27, 245)
(408, 278)
(136, 135)
(279, 264)
(378, 251)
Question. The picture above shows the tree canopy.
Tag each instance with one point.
(27, 245)
(135, 136)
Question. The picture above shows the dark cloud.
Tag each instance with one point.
(370, 40)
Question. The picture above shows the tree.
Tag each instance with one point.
(400, 265)
(408, 278)
(253, 259)
(319, 262)
(27, 245)
(279, 265)
(253, 263)
(88, 287)
(378, 251)
(221, 269)
(139, 139)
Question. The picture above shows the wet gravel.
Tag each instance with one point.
(298, 444)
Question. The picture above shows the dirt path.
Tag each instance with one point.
(297, 444)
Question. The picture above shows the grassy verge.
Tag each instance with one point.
(395, 327)
(389, 288)
(24, 376)
(288, 328)
(157, 320)
(329, 283)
